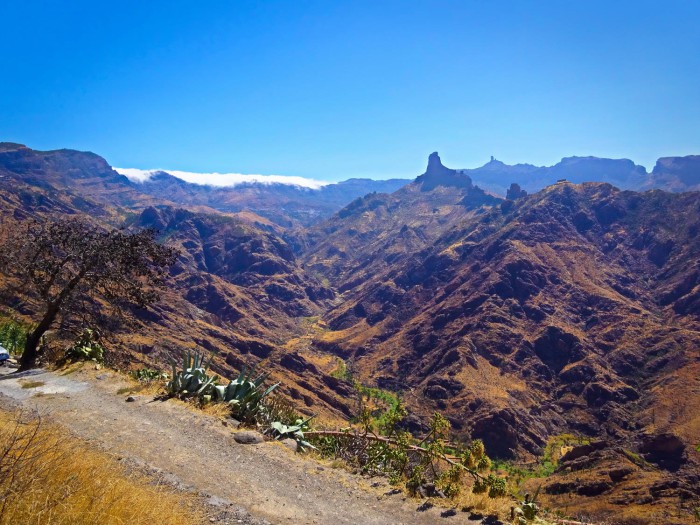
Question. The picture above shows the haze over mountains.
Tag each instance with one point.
(572, 309)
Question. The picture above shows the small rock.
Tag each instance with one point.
(425, 506)
(248, 437)
(291, 444)
(102, 376)
(130, 399)
(428, 490)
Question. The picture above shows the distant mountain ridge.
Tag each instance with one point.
(495, 176)
(284, 204)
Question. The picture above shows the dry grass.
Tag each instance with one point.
(31, 384)
(483, 504)
(48, 477)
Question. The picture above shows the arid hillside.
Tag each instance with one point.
(573, 310)
(237, 288)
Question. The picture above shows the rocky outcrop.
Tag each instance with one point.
(676, 174)
(438, 175)
(515, 192)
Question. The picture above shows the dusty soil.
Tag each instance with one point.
(250, 484)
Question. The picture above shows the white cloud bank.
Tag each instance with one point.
(223, 179)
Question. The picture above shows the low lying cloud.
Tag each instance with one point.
(223, 179)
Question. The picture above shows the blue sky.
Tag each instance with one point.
(330, 90)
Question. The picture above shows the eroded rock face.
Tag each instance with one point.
(557, 348)
(666, 450)
(676, 173)
(515, 192)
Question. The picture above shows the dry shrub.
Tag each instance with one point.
(482, 504)
(50, 477)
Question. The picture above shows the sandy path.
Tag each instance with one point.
(269, 481)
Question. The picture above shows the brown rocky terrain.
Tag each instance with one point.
(571, 310)
(237, 288)
(495, 176)
(374, 233)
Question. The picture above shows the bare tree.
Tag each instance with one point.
(77, 269)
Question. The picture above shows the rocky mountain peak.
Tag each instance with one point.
(437, 174)
(435, 165)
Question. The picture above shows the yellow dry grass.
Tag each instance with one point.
(48, 477)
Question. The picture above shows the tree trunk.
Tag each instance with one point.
(31, 351)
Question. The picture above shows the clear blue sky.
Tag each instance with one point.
(330, 90)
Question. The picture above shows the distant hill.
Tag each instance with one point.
(496, 176)
(674, 174)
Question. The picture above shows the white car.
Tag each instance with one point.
(4, 355)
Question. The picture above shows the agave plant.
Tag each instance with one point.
(193, 379)
(244, 394)
(296, 431)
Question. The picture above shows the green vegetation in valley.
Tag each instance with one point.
(342, 371)
(544, 467)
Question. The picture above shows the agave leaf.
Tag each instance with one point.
(269, 390)
(305, 444)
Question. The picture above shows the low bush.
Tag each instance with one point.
(146, 375)
(87, 347)
(427, 467)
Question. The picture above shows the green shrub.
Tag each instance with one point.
(146, 375)
(420, 464)
(13, 335)
(244, 395)
(87, 347)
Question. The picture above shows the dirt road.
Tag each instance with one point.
(263, 483)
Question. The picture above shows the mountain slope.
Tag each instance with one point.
(237, 288)
(574, 296)
(375, 232)
(676, 174)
